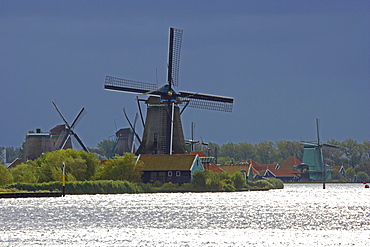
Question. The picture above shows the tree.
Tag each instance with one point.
(362, 177)
(350, 173)
(366, 151)
(106, 147)
(285, 149)
(228, 150)
(5, 175)
(353, 151)
(25, 173)
(333, 156)
(239, 180)
(120, 168)
(363, 167)
(13, 153)
(244, 151)
(266, 152)
(80, 165)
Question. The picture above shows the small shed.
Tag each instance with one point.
(175, 168)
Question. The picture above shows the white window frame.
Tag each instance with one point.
(169, 173)
(178, 173)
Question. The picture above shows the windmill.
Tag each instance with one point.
(125, 138)
(313, 158)
(68, 131)
(163, 132)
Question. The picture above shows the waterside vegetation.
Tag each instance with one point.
(85, 174)
(120, 187)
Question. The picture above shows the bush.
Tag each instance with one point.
(362, 177)
(276, 183)
(239, 180)
(85, 187)
(5, 175)
(120, 168)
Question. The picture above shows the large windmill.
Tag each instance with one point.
(163, 132)
(67, 131)
(313, 158)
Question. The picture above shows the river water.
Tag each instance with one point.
(298, 215)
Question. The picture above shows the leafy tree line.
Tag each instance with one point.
(80, 166)
(349, 154)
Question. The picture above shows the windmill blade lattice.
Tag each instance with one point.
(174, 50)
(128, 86)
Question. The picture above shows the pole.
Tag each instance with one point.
(64, 180)
(171, 140)
(319, 146)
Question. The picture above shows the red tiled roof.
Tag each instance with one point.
(282, 172)
(290, 163)
(212, 167)
(199, 153)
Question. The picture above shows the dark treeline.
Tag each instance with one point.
(349, 154)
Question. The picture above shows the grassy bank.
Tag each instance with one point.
(120, 187)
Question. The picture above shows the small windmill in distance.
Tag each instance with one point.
(65, 135)
(313, 158)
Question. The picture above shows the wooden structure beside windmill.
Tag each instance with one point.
(163, 133)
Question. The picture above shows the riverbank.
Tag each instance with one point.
(125, 187)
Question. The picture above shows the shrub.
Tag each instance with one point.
(362, 177)
(5, 175)
(120, 168)
(239, 180)
(276, 183)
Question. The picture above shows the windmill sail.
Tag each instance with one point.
(68, 132)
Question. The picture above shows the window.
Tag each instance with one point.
(178, 173)
(170, 173)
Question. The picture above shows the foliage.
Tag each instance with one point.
(286, 149)
(333, 156)
(270, 183)
(363, 167)
(210, 181)
(350, 173)
(26, 173)
(337, 176)
(85, 187)
(276, 183)
(239, 180)
(120, 168)
(5, 175)
(80, 166)
(353, 151)
(103, 149)
(362, 177)
(266, 153)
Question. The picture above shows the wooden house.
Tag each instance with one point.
(176, 168)
(209, 163)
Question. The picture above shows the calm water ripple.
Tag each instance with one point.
(299, 215)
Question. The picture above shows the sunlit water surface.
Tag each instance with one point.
(298, 215)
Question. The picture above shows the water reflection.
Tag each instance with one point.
(299, 215)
